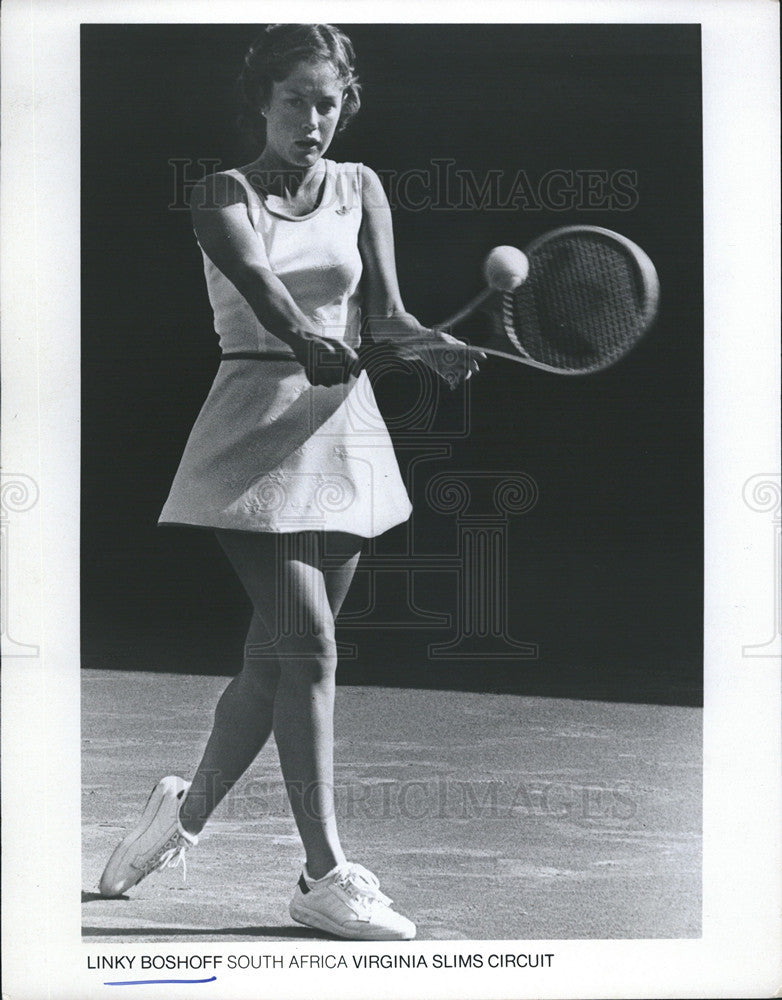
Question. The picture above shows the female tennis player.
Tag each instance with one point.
(289, 460)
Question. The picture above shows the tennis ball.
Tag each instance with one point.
(505, 268)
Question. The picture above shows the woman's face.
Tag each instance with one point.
(303, 113)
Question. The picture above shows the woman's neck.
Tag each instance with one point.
(273, 176)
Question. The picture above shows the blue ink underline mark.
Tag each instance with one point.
(147, 982)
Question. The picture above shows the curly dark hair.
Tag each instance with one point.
(272, 56)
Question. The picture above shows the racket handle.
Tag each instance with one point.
(467, 310)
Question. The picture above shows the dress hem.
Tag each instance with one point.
(275, 531)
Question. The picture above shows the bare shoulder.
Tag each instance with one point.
(373, 195)
(215, 191)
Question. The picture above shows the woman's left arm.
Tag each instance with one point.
(384, 310)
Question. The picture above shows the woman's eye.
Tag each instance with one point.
(326, 107)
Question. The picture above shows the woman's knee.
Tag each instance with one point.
(309, 656)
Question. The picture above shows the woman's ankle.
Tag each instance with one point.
(320, 867)
(190, 824)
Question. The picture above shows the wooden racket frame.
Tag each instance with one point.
(646, 272)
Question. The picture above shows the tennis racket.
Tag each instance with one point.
(588, 299)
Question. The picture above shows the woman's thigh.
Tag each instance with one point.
(339, 559)
(296, 581)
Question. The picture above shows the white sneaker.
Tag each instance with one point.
(158, 841)
(348, 902)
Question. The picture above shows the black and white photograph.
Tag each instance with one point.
(410, 449)
(516, 580)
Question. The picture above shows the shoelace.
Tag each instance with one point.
(175, 858)
(362, 884)
(172, 856)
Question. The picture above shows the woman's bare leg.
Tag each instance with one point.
(295, 597)
(304, 705)
(242, 725)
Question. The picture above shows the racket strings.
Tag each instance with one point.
(581, 307)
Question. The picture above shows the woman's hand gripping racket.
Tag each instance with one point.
(587, 299)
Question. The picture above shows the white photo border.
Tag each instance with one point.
(740, 951)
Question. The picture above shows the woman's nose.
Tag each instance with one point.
(310, 118)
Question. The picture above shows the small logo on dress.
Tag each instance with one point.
(344, 210)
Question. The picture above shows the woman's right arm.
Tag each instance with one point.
(218, 209)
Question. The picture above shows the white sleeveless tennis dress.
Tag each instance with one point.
(269, 451)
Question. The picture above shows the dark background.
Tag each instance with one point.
(605, 573)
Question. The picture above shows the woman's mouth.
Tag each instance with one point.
(307, 145)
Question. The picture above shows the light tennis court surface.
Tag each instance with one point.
(485, 816)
